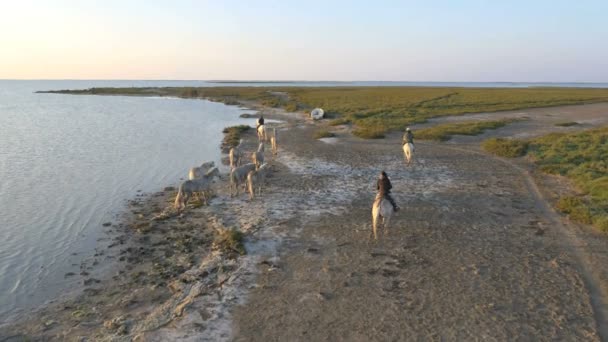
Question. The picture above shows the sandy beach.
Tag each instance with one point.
(476, 252)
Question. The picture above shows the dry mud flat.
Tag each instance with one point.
(471, 256)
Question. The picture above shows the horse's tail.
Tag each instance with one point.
(375, 217)
(191, 174)
(231, 156)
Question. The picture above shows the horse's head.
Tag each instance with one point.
(215, 172)
(208, 165)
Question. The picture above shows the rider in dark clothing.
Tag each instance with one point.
(384, 187)
(408, 137)
(260, 121)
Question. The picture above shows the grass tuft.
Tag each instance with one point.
(230, 241)
(323, 133)
(566, 124)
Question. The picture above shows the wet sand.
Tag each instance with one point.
(476, 253)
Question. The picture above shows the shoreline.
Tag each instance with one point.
(131, 265)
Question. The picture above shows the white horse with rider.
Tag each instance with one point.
(384, 205)
(408, 145)
(261, 129)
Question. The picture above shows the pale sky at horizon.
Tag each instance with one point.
(487, 41)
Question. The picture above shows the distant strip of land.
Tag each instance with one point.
(375, 110)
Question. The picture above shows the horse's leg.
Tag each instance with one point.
(385, 222)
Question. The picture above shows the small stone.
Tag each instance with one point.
(107, 224)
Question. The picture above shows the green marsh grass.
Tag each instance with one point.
(233, 134)
(581, 157)
(444, 132)
(377, 110)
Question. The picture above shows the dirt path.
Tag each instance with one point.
(474, 254)
(575, 242)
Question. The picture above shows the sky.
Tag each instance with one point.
(452, 41)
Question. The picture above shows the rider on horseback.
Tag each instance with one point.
(384, 187)
(408, 137)
(260, 121)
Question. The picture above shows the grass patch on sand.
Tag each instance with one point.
(233, 134)
(566, 124)
(377, 110)
(230, 241)
(580, 157)
(505, 147)
(445, 131)
(323, 133)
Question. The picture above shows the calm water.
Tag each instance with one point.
(69, 163)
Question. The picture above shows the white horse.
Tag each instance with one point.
(262, 133)
(258, 156)
(255, 179)
(190, 187)
(382, 209)
(198, 172)
(408, 151)
(239, 176)
(235, 155)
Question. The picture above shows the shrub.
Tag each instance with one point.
(567, 204)
(505, 147)
(233, 134)
(291, 107)
(601, 223)
(581, 214)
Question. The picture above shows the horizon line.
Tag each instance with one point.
(281, 81)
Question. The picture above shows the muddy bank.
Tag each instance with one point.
(163, 264)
